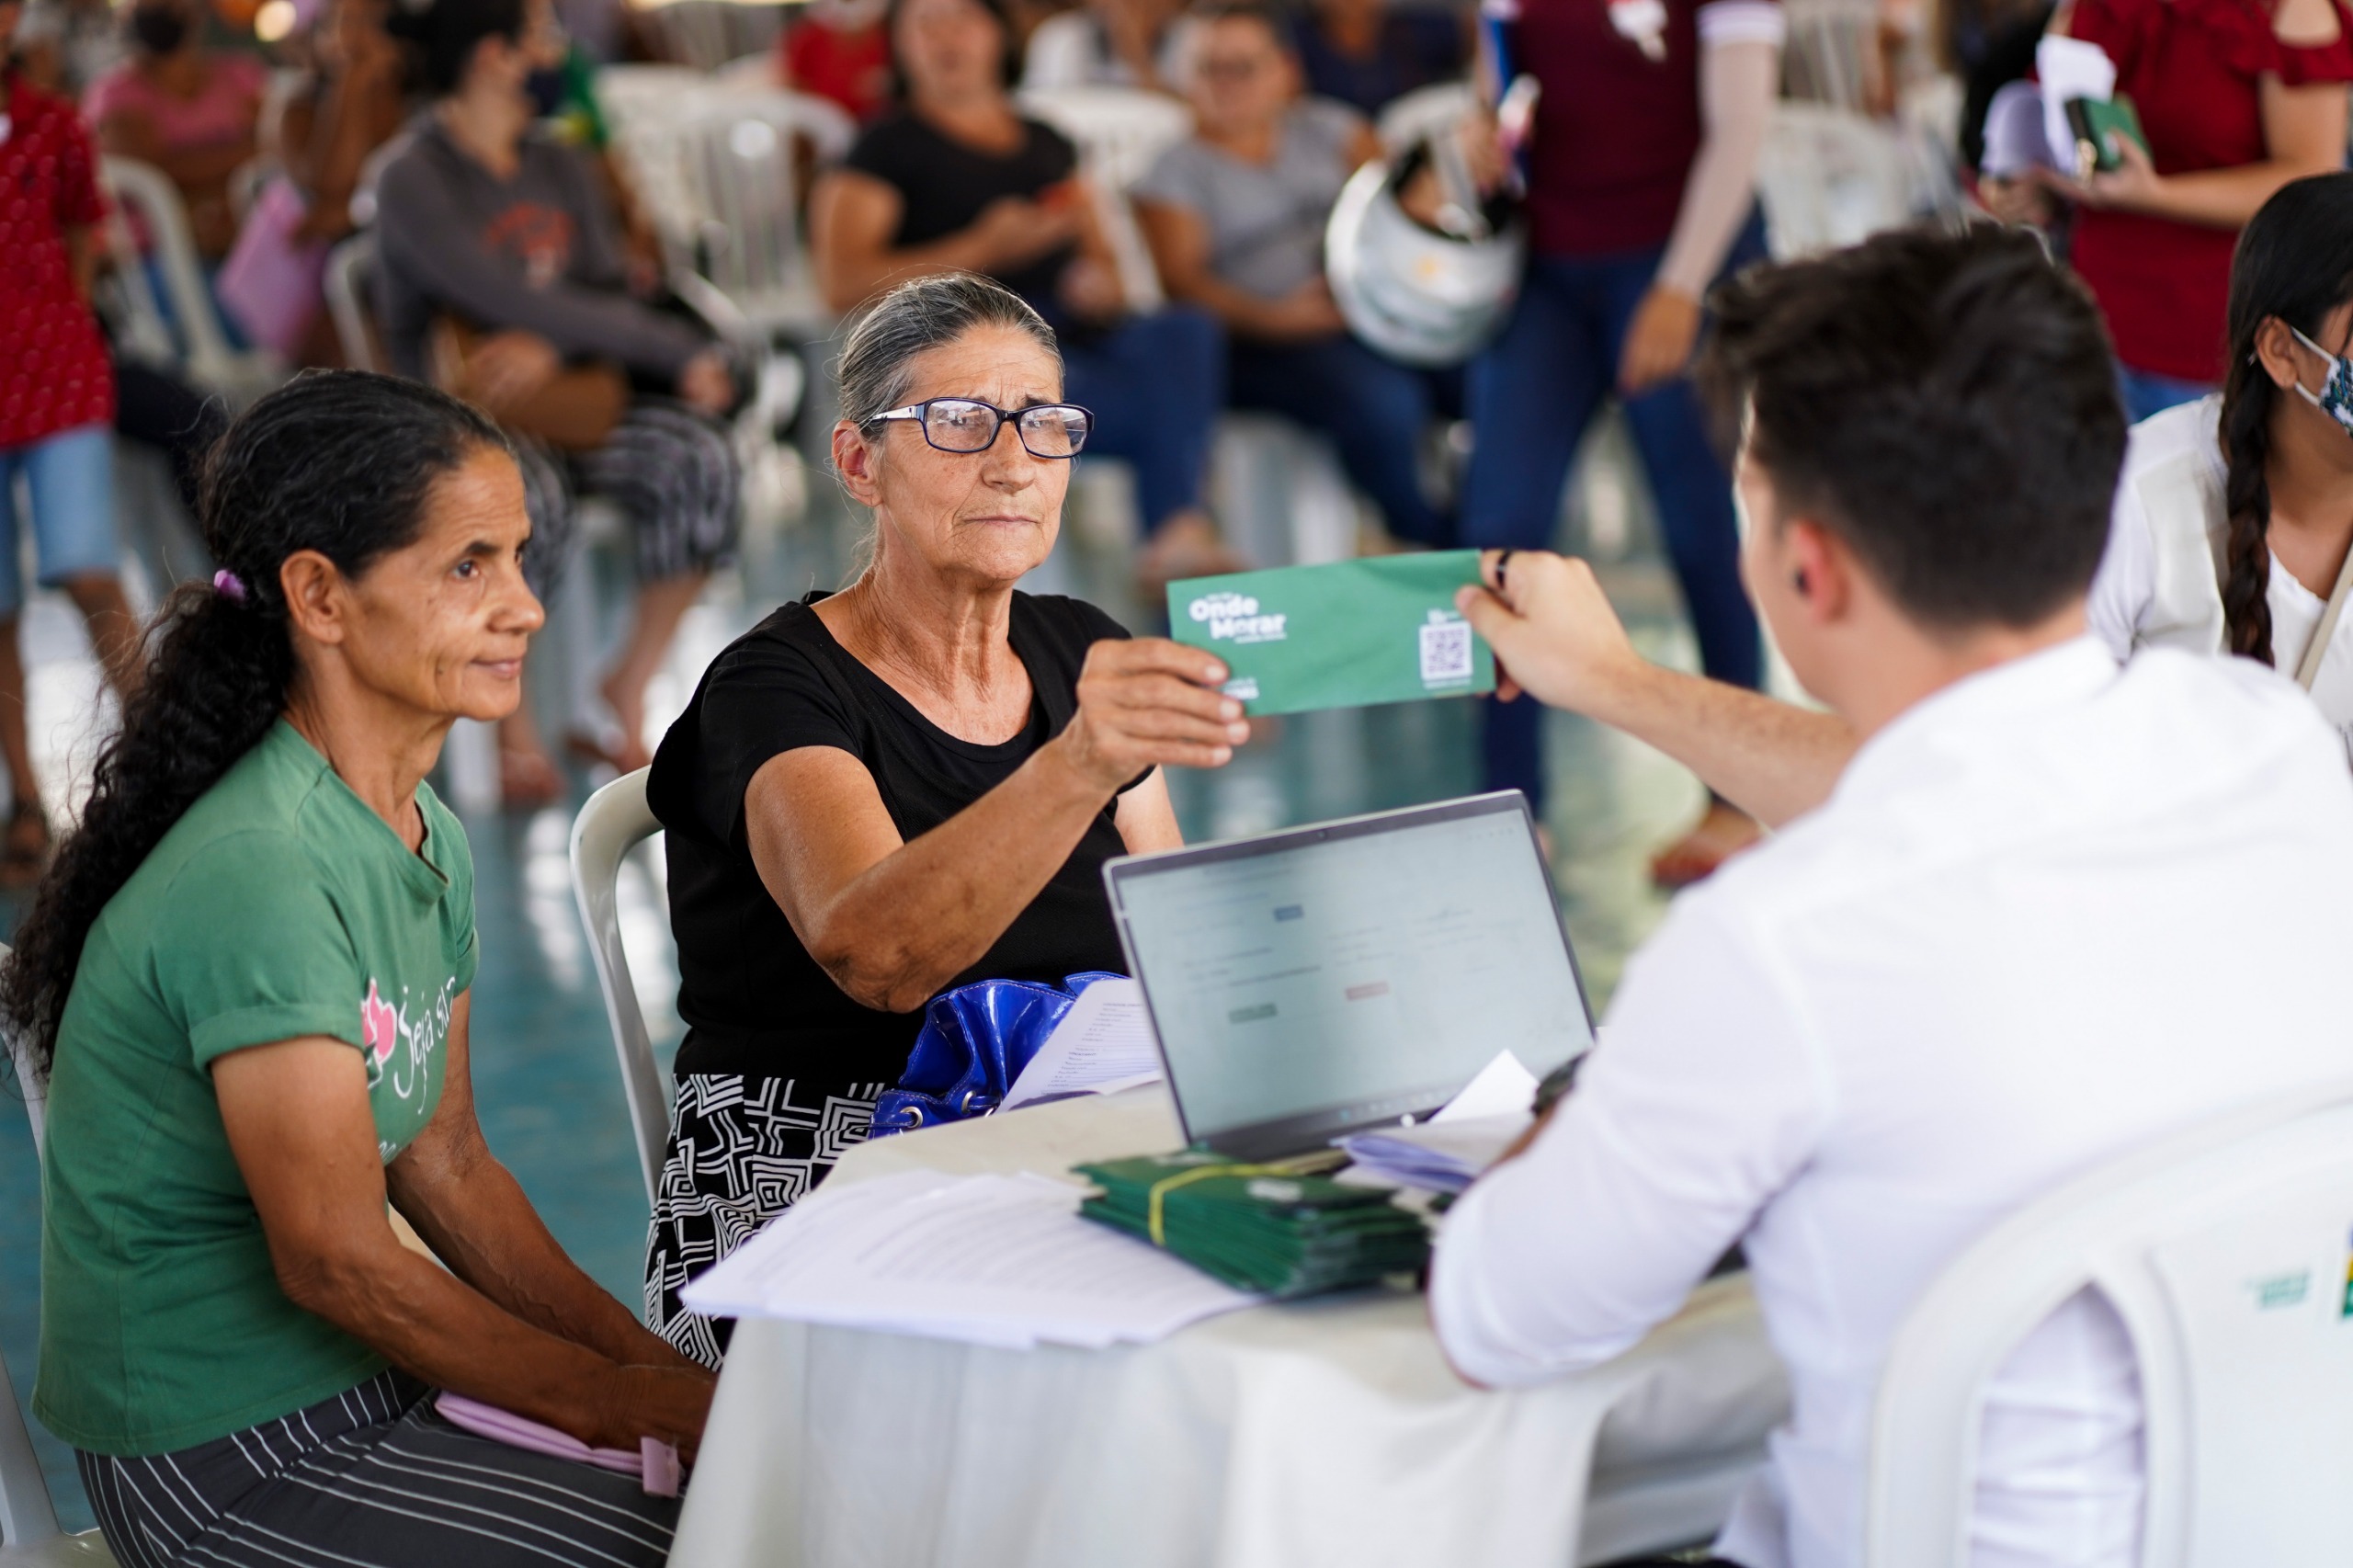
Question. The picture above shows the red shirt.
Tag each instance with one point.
(55, 374)
(1615, 131)
(2193, 70)
(853, 69)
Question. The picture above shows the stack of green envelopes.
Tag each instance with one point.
(1261, 1227)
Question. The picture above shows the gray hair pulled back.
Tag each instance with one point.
(878, 359)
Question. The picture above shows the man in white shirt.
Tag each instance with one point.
(2050, 910)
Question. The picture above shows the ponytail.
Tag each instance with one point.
(2293, 265)
(340, 462)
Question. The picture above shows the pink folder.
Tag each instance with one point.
(656, 1464)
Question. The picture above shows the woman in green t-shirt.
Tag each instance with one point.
(245, 981)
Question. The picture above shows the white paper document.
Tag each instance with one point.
(2070, 68)
(1441, 1157)
(1002, 1260)
(1103, 1044)
(1452, 1149)
(1503, 1087)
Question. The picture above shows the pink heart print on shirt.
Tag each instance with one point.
(378, 1026)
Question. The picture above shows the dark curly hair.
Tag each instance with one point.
(2294, 263)
(335, 461)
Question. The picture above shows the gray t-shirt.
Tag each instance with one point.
(540, 252)
(1266, 220)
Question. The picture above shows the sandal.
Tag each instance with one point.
(1724, 832)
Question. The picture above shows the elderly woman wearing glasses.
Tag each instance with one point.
(880, 794)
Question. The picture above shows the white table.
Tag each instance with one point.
(1319, 1433)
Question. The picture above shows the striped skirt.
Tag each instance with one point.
(372, 1478)
(669, 470)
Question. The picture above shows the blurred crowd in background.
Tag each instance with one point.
(631, 234)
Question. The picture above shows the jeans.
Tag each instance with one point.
(1156, 384)
(1531, 397)
(2145, 393)
(1373, 410)
(70, 476)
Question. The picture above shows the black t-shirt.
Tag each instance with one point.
(944, 184)
(754, 1001)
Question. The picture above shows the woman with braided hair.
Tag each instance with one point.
(2233, 523)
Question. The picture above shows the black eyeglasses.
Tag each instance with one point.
(968, 424)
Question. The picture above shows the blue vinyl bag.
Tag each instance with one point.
(974, 1043)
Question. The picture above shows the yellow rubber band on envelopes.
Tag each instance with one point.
(1302, 1165)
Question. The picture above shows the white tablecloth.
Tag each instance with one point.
(1318, 1433)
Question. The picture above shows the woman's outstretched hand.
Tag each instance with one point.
(1147, 702)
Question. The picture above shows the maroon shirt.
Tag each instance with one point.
(55, 374)
(1615, 132)
(2194, 70)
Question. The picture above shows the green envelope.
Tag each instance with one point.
(1345, 635)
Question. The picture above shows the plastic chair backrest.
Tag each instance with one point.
(149, 192)
(26, 1516)
(615, 821)
(1119, 130)
(351, 269)
(1829, 177)
(141, 331)
(2224, 1253)
(720, 176)
(707, 34)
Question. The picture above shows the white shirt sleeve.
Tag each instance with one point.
(2126, 583)
(1705, 1099)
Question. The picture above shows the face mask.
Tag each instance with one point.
(159, 28)
(2336, 398)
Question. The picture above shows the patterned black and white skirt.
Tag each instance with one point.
(742, 1152)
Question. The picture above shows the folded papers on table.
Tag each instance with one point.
(1000, 1260)
(1442, 1156)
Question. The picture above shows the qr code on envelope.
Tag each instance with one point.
(1445, 651)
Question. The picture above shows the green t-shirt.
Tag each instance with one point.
(280, 906)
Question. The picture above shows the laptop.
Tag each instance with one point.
(1320, 980)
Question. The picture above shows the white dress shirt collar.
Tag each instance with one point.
(2051, 679)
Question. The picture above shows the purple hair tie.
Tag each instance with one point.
(229, 585)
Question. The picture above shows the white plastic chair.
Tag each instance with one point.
(717, 174)
(1118, 132)
(2224, 1252)
(1829, 177)
(136, 186)
(707, 34)
(351, 267)
(1279, 493)
(28, 1534)
(30, 1537)
(615, 821)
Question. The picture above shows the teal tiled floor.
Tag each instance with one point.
(550, 1098)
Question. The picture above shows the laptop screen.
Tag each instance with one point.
(1310, 982)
